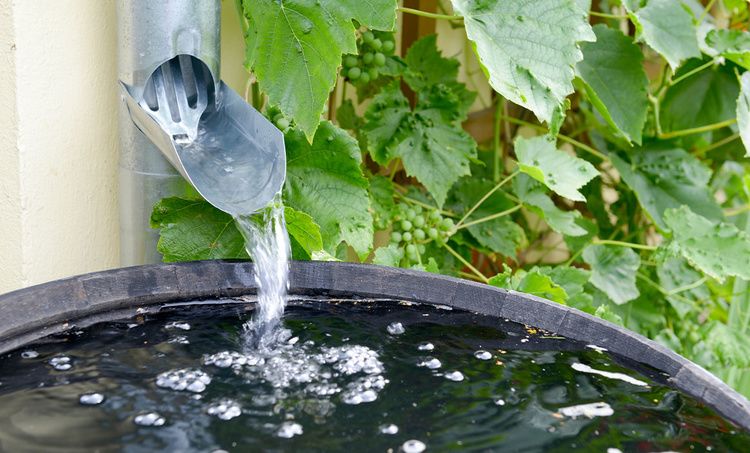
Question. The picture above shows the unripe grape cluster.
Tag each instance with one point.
(279, 120)
(373, 49)
(413, 227)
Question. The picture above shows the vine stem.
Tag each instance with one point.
(702, 151)
(490, 217)
(424, 205)
(624, 244)
(417, 12)
(731, 212)
(485, 197)
(690, 73)
(706, 10)
(496, 140)
(564, 138)
(698, 130)
(687, 287)
(607, 15)
(467, 264)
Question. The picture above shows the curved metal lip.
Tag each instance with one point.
(35, 312)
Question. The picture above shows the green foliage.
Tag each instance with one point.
(631, 203)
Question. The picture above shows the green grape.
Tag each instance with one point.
(354, 73)
(365, 77)
(388, 46)
(350, 61)
(446, 224)
(373, 73)
(368, 57)
(411, 250)
(418, 221)
(368, 37)
(419, 234)
(396, 237)
(435, 216)
(406, 225)
(379, 59)
(418, 209)
(406, 237)
(410, 214)
(432, 233)
(376, 44)
(421, 249)
(282, 124)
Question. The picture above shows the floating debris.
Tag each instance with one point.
(591, 410)
(149, 419)
(395, 328)
(622, 377)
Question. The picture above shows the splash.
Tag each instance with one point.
(267, 242)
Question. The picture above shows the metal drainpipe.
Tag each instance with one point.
(151, 32)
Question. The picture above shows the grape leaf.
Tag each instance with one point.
(501, 235)
(707, 97)
(529, 48)
(534, 196)
(675, 273)
(381, 200)
(427, 67)
(531, 282)
(561, 172)
(294, 48)
(615, 81)
(743, 111)
(734, 45)
(324, 179)
(573, 281)
(667, 27)
(195, 230)
(192, 229)
(434, 149)
(613, 271)
(390, 255)
(719, 250)
(668, 178)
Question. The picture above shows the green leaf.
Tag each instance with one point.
(573, 281)
(294, 47)
(561, 172)
(501, 235)
(613, 271)
(427, 67)
(675, 273)
(707, 97)
(192, 230)
(534, 196)
(303, 231)
(434, 149)
(668, 178)
(532, 282)
(324, 179)
(615, 81)
(667, 27)
(734, 45)
(743, 111)
(529, 48)
(388, 256)
(719, 250)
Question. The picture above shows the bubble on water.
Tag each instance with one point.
(287, 430)
(91, 399)
(431, 363)
(364, 390)
(225, 409)
(184, 379)
(61, 363)
(389, 429)
(413, 446)
(499, 402)
(352, 359)
(179, 339)
(226, 359)
(426, 346)
(29, 354)
(149, 419)
(456, 376)
(482, 355)
(177, 325)
(395, 328)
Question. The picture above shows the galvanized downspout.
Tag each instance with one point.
(149, 33)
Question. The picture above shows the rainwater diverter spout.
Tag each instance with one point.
(177, 107)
